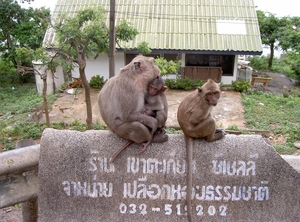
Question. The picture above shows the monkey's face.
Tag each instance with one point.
(154, 90)
(212, 97)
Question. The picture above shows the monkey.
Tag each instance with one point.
(155, 101)
(121, 102)
(156, 106)
(195, 120)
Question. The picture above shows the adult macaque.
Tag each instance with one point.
(122, 98)
(194, 118)
(156, 106)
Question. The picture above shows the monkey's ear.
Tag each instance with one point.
(137, 64)
(137, 67)
(151, 59)
(164, 88)
(199, 90)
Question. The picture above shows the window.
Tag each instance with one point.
(224, 61)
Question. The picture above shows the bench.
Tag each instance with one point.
(264, 81)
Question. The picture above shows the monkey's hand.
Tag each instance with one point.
(148, 121)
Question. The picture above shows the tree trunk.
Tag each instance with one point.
(87, 89)
(270, 62)
(45, 101)
(9, 47)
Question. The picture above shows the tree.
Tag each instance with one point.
(290, 34)
(21, 28)
(269, 27)
(28, 55)
(84, 35)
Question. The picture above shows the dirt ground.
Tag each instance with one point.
(228, 112)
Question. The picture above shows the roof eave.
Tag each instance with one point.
(210, 52)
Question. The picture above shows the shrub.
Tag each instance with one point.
(8, 73)
(183, 83)
(241, 85)
(167, 67)
(259, 63)
(97, 82)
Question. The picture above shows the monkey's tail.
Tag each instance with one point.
(120, 150)
(189, 143)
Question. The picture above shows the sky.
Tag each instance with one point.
(39, 3)
(279, 7)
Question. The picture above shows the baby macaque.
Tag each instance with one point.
(156, 102)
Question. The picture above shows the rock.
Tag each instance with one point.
(297, 144)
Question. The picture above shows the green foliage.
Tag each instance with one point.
(233, 127)
(167, 67)
(183, 83)
(21, 28)
(8, 73)
(34, 19)
(280, 66)
(279, 32)
(97, 82)
(170, 130)
(292, 60)
(125, 31)
(20, 102)
(269, 26)
(87, 32)
(143, 48)
(20, 99)
(98, 126)
(289, 34)
(10, 135)
(259, 62)
(241, 85)
(278, 114)
(288, 64)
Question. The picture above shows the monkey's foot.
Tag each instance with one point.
(160, 138)
(219, 130)
(219, 133)
(160, 131)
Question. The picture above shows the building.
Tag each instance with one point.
(206, 35)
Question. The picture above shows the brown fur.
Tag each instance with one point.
(156, 102)
(121, 101)
(194, 117)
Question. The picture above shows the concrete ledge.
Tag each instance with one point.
(238, 178)
(21, 186)
(27, 157)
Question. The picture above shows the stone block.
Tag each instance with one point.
(238, 178)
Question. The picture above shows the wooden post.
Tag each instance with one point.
(112, 41)
(30, 210)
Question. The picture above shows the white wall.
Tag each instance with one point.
(54, 81)
(100, 66)
(229, 79)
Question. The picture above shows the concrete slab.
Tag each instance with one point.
(238, 178)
